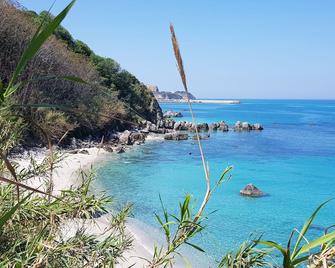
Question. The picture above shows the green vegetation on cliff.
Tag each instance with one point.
(112, 99)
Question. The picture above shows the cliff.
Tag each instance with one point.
(112, 99)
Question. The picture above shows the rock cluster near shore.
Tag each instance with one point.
(118, 142)
(245, 126)
(168, 125)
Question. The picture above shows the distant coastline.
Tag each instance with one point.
(181, 97)
(199, 101)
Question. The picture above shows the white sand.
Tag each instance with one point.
(66, 174)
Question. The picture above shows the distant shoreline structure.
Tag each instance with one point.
(181, 97)
(199, 101)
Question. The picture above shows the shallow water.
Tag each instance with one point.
(293, 160)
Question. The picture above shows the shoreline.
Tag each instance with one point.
(66, 175)
(83, 155)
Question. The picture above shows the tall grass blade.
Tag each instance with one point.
(181, 70)
(273, 245)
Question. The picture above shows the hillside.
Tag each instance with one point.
(112, 99)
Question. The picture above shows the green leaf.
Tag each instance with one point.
(4, 218)
(224, 173)
(273, 245)
(306, 227)
(194, 246)
(315, 243)
(10, 90)
(300, 260)
(36, 43)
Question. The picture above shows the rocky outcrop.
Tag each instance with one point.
(223, 126)
(245, 126)
(131, 137)
(124, 137)
(251, 191)
(168, 125)
(120, 149)
(176, 135)
(169, 114)
(137, 138)
(219, 126)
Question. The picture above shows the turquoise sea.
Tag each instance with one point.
(292, 159)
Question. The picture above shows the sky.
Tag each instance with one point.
(235, 49)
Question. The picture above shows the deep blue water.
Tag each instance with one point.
(292, 159)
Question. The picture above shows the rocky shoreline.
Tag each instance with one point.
(173, 130)
(168, 128)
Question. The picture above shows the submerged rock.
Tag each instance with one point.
(252, 191)
(202, 137)
(177, 136)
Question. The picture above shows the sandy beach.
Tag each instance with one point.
(66, 174)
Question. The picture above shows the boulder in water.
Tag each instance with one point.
(177, 136)
(257, 126)
(252, 191)
(223, 126)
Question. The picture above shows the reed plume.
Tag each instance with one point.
(182, 74)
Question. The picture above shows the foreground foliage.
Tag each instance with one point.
(34, 224)
(35, 233)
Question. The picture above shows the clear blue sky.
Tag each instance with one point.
(231, 49)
